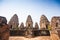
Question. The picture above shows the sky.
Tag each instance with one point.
(35, 8)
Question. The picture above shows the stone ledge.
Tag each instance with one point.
(23, 38)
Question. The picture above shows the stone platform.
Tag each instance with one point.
(23, 38)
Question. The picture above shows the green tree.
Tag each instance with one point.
(49, 27)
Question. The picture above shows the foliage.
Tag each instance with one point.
(49, 27)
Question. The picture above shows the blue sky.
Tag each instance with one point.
(35, 8)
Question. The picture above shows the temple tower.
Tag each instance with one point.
(22, 25)
(36, 26)
(29, 27)
(13, 23)
(55, 25)
(55, 22)
(29, 22)
(44, 22)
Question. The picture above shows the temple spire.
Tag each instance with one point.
(44, 22)
(36, 26)
(22, 25)
(29, 22)
(14, 22)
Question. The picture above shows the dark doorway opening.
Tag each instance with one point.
(29, 25)
(56, 24)
(46, 26)
(11, 26)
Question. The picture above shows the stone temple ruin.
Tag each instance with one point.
(28, 30)
(50, 30)
(46, 28)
